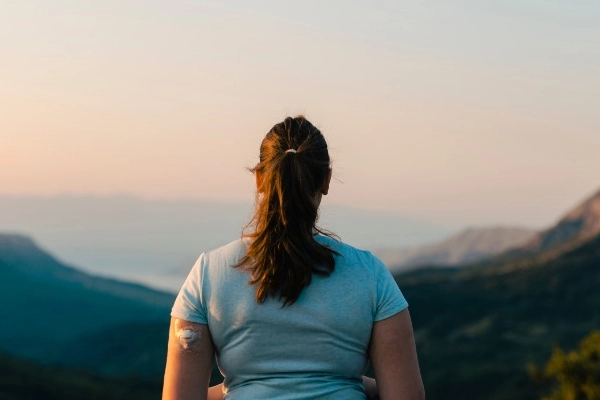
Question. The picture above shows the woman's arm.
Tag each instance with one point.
(215, 392)
(189, 361)
(394, 358)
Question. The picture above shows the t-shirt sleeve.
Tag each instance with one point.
(189, 304)
(390, 300)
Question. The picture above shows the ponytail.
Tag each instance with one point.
(292, 174)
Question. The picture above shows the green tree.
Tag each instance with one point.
(576, 374)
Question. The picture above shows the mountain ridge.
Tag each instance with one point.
(22, 253)
(464, 247)
(578, 224)
(40, 294)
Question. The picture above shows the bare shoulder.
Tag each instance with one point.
(394, 357)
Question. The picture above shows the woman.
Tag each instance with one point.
(290, 312)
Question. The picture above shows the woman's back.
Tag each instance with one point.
(290, 314)
(314, 348)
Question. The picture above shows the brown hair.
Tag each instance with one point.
(292, 172)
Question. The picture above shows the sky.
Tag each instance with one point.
(454, 113)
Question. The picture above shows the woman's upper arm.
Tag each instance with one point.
(394, 358)
(189, 361)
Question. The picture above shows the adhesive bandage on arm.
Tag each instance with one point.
(187, 335)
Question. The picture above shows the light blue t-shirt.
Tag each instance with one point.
(314, 348)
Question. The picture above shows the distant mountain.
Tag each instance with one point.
(21, 254)
(577, 226)
(46, 304)
(465, 247)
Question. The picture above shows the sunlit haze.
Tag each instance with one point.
(451, 113)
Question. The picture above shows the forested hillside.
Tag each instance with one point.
(477, 329)
(26, 380)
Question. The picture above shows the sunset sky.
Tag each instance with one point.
(448, 112)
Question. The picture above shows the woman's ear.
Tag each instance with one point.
(326, 183)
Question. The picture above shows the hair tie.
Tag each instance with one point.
(291, 151)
